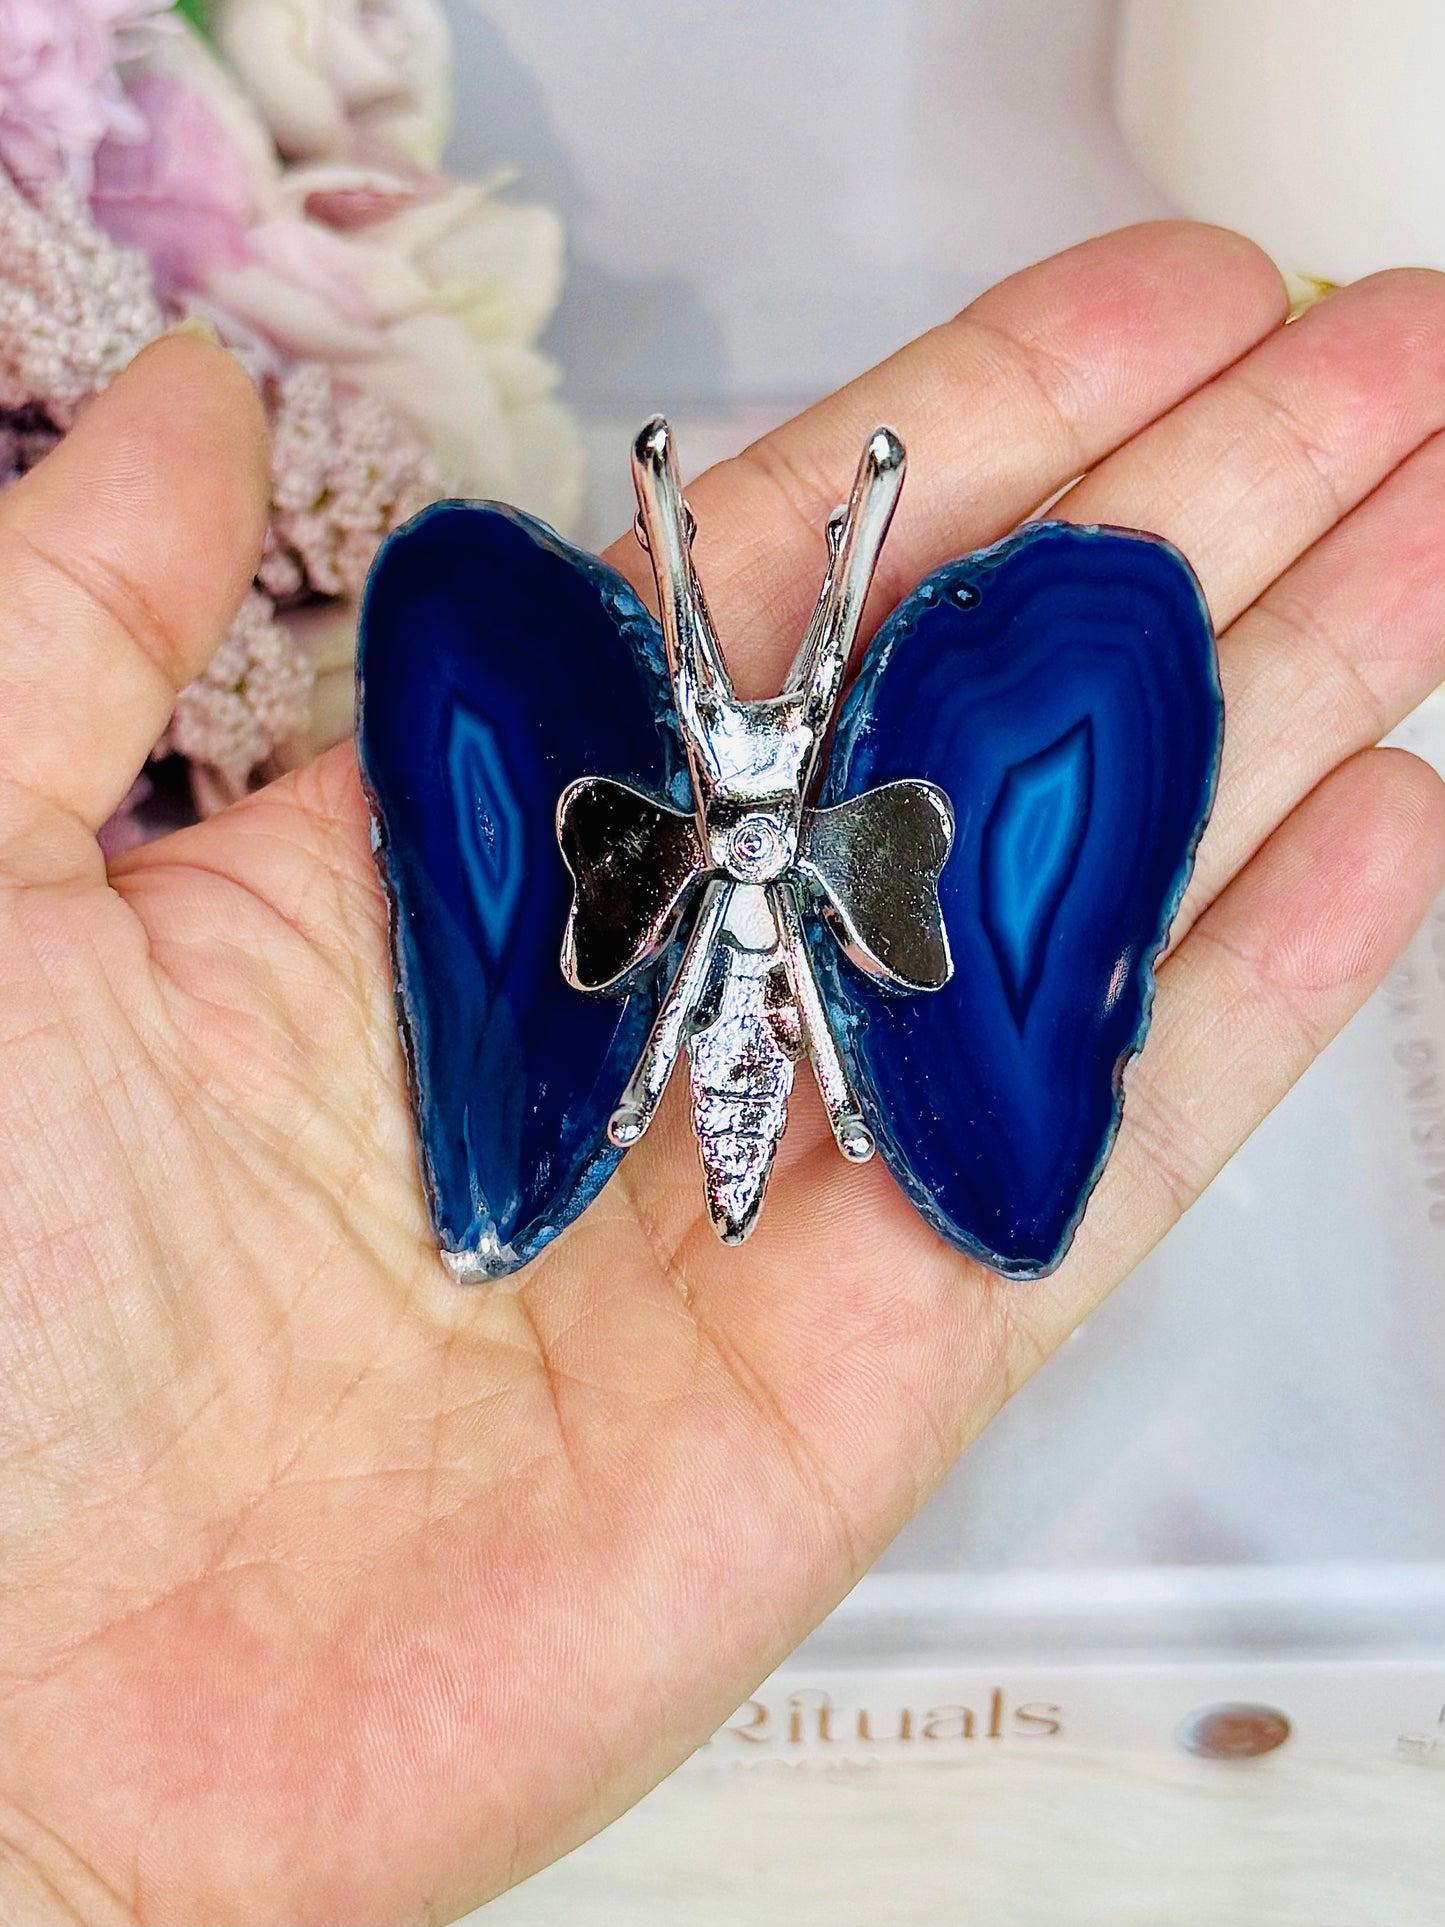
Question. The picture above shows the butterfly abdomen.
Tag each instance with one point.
(741, 1072)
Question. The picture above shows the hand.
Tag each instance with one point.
(332, 1592)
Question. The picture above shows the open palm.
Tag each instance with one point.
(330, 1591)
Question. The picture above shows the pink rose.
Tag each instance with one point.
(59, 95)
(195, 175)
(180, 193)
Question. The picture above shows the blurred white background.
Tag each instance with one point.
(762, 200)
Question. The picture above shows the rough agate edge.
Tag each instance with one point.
(1062, 689)
(496, 664)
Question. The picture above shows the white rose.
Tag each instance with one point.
(431, 301)
(324, 72)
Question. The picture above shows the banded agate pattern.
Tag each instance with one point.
(1062, 689)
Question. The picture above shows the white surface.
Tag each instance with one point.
(764, 199)
(1010, 1841)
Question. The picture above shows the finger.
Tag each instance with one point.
(1290, 951)
(1247, 473)
(1326, 662)
(998, 408)
(123, 556)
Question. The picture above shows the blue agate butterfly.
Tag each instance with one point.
(947, 892)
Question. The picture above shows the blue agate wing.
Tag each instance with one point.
(1061, 689)
(496, 665)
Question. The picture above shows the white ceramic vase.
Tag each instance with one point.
(1315, 126)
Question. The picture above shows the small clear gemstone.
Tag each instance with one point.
(753, 846)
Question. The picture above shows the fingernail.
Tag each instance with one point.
(1306, 291)
(197, 325)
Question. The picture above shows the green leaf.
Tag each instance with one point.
(195, 11)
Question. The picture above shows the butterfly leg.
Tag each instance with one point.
(840, 1100)
(638, 1104)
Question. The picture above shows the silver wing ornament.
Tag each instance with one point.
(753, 862)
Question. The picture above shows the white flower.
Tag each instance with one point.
(325, 634)
(325, 72)
(430, 299)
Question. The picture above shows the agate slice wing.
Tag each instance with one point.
(497, 665)
(1061, 690)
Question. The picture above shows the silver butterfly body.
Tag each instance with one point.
(752, 864)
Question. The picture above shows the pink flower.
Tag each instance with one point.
(181, 193)
(74, 308)
(428, 296)
(253, 694)
(345, 472)
(59, 95)
(423, 293)
(188, 185)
